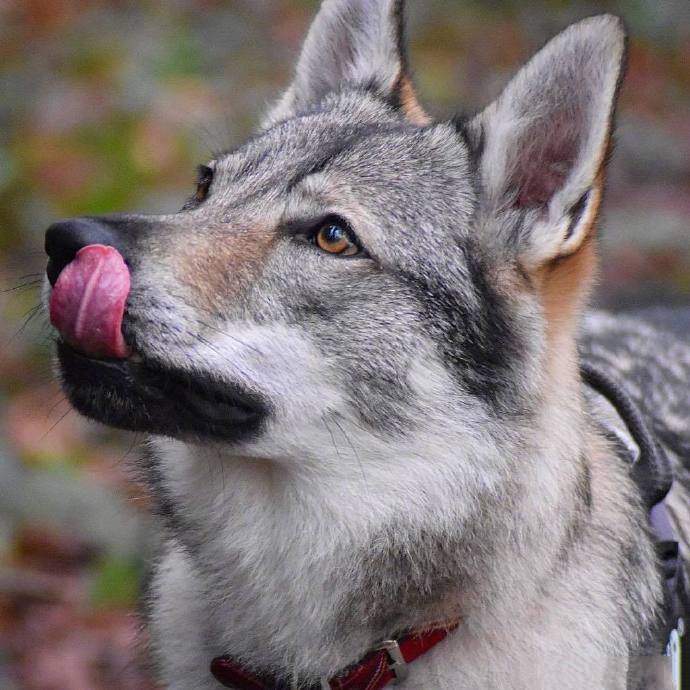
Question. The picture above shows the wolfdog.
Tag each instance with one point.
(356, 351)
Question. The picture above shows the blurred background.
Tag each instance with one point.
(108, 106)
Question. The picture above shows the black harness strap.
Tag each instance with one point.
(652, 471)
(653, 475)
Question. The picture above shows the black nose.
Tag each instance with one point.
(66, 237)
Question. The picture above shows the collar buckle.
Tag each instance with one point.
(397, 663)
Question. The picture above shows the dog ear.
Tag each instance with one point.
(542, 145)
(357, 43)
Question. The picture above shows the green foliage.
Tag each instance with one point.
(116, 583)
(182, 56)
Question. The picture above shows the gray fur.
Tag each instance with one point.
(425, 451)
(357, 42)
(654, 363)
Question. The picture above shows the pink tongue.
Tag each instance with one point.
(88, 301)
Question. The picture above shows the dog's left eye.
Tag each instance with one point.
(335, 237)
(204, 179)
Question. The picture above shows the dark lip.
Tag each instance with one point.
(149, 396)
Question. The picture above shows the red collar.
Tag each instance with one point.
(378, 668)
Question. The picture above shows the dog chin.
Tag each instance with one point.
(141, 395)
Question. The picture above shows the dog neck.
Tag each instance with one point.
(306, 566)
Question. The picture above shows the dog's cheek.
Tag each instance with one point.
(280, 361)
(364, 335)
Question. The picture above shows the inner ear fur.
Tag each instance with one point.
(545, 141)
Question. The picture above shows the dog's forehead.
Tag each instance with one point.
(351, 129)
(308, 138)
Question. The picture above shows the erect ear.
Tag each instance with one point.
(352, 43)
(542, 145)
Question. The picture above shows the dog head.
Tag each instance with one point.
(354, 265)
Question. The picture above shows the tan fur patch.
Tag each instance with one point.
(563, 286)
(409, 103)
(224, 264)
(564, 283)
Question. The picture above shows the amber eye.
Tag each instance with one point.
(335, 238)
